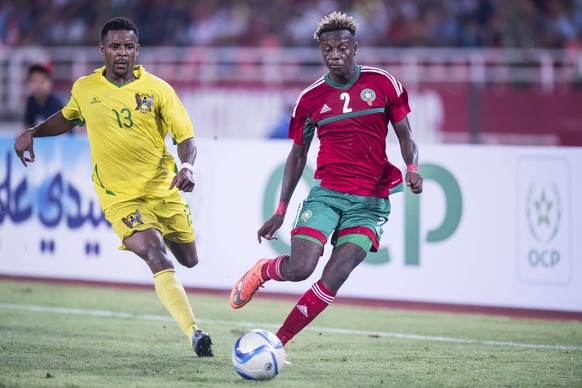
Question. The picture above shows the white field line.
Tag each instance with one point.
(144, 317)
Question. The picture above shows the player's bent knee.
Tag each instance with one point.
(188, 262)
(153, 254)
(185, 253)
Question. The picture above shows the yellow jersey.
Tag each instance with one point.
(126, 126)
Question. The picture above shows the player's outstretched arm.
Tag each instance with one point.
(55, 125)
(184, 179)
(409, 151)
(293, 170)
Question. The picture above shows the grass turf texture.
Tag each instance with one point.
(58, 348)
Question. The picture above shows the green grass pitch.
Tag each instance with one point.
(80, 336)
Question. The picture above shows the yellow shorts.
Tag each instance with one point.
(170, 215)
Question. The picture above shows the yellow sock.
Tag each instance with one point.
(173, 296)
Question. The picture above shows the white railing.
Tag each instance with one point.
(193, 67)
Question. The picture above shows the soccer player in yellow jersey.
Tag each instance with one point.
(128, 113)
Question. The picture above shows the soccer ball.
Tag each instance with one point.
(258, 355)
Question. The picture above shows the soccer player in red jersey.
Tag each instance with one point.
(350, 107)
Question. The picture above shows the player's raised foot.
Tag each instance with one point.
(202, 344)
(245, 288)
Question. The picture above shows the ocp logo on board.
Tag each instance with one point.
(543, 220)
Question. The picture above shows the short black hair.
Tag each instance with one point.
(39, 68)
(119, 23)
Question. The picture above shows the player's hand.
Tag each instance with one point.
(267, 231)
(183, 180)
(23, 144)
(414, 181)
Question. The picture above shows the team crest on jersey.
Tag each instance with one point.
(368, 95)
(144, 102)
(306, 215)
(133, 220)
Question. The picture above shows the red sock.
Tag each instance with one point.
(311, 304)
(273, 269)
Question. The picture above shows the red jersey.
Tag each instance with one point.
(352, 126)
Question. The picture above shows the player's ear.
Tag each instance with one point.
(137, 49)
(355, 48)
(102, 48)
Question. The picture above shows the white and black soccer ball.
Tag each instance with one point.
(258, 355)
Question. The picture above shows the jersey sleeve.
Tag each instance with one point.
(301, 129)
(397, 107)
(72, 111)
(175, 115)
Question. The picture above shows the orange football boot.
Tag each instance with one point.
(245, 288)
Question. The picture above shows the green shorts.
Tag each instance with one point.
(350, 217)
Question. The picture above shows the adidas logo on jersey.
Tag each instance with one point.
(325, 109)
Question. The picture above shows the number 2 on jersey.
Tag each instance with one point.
(346, 98)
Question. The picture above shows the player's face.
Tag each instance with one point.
(339, 49)
(119, 48)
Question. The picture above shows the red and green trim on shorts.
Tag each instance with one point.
(362, 236)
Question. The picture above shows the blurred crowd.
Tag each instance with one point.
(396, 23)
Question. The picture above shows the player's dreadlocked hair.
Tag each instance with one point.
(336, 21)
(119, 24)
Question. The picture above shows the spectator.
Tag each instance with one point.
(42, 101)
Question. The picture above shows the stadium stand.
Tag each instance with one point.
(402, 23)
